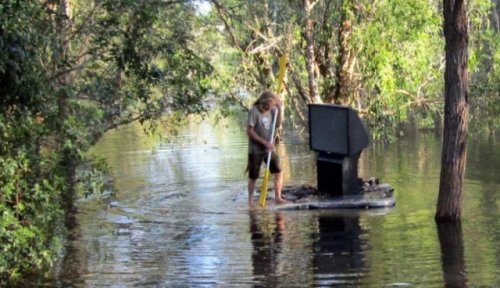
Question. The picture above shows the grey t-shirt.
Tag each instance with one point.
(262, 123)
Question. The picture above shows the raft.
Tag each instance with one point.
(308, 198)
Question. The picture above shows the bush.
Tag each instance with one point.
(30, 219)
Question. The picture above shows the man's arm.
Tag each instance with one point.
(255, 137)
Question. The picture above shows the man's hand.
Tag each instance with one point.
(253, 135)
(270, 146)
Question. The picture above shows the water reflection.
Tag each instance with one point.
(267, 242)
(335, 256)
(338, 254)
(452, 254)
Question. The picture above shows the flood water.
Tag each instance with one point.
(179, 218)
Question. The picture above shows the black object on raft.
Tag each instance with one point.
(338, 136)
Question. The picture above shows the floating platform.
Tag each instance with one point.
(305, 197)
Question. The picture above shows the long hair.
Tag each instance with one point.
(265, 97)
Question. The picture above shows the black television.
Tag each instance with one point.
(336, 129)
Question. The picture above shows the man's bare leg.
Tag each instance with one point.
(251, 189)
(278, 182)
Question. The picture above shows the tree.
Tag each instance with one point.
(253, 44)
(69, 71)
(379, 57)
(453, 159)
(484, 65)
(309, 52)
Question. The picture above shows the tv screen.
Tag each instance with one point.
(336, 129)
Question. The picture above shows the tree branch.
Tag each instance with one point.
(222, 13)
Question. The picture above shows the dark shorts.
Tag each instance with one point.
(256, 160)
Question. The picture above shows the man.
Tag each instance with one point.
(259, 129)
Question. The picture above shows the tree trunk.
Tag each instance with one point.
(323, 52)
(453, 159)
(495, 15)
(68, 161)
(310, 59)
(343, 63)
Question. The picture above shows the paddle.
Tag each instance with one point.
(265, 181)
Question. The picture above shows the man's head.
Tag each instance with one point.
(267, 100)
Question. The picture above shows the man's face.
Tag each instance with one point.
(267, 105)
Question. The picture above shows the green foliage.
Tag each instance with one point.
(30, 209)
(62, 87)
(396, 49)
(400, 59)
(484, 67)
(92, 174)
(235, 37)
(30, 198)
